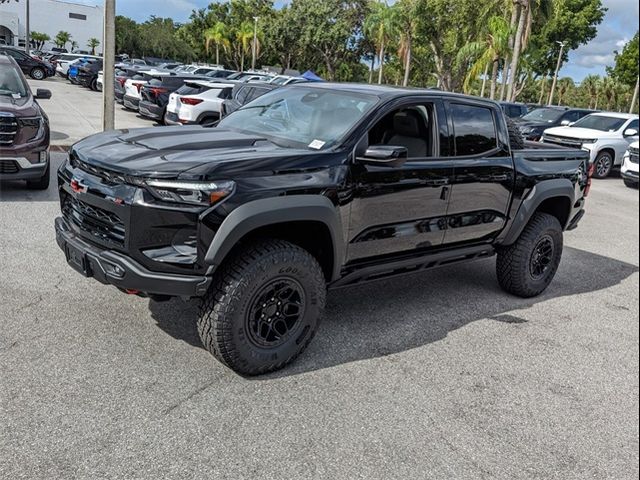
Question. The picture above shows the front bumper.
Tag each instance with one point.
(22, 168)
(113, 268)
(130, 102)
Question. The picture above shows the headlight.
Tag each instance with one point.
(589, 141)
(193, 193)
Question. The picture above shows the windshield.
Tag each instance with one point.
(11, 83)
(601, 123)
(301, 117)
(549, 115)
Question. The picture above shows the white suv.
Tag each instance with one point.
(629, 170)
(606, 136)
(64, 61)
(197, 102)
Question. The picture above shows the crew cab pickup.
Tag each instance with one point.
(308, 187)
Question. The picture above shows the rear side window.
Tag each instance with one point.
(242, 95)
(475, 129)
(255, 93)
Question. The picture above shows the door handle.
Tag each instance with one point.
(444, 193)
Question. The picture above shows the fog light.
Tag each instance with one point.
(113, 270)
(183, 249)
(44, 156)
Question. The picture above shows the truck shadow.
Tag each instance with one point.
(400, 314)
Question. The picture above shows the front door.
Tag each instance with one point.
(402, 210)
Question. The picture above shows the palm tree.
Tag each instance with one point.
(218, 36)
(381, 27)
(62, 38)
(408, 13)
(590, 86)
(244, 37)
(39, 39)
(486, 52)
(564, 85)
(522, 7)
(608, 91)
(93, 44)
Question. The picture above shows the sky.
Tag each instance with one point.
(618, 27)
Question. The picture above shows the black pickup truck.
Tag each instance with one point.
(308, 187)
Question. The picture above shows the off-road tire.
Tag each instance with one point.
(224, 321)
(37, 73)
(514, 263)
(515, 137)
(42, 183)
(601, 172)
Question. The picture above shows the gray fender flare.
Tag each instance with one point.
(559, 187)
(271, 211)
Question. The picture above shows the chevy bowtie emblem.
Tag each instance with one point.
(77, 187)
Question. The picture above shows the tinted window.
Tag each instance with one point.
(514, 111)
(190, 90)
(633, 125)
(602, 123)
(475, 130)
(571, 116)
(255, 93)
(242, 95)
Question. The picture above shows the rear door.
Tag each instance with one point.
(483, 172)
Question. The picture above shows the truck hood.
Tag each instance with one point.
(171, 152)
(580, 133)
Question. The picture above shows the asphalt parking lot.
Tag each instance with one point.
(437, 375)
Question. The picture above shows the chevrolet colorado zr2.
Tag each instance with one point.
(309, 187)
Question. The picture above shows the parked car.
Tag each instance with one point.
(220, 73)
(122, 75)
(606, 136)
(249, 77)
(36, 69)
(534, 123)
(197, 102)
(313, 186)
(629, 170)
(286, 80)
(514, 110)
(244, 93)
(74, 68)
(24, 128)
(88, 74)
(63, 62)
(99, 81)
(154, 96)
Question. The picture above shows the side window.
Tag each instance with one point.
(583, 114)
(475, 129)
(633, 125)
(514, 111)
(242, 95)
(571, 117)
(411, 127)
(257, 92)
(17, 55)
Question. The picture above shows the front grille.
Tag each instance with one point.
(9, 166)
(633, 155)
(8, 129)
(563, 141)
(109, 177)
(102, 224)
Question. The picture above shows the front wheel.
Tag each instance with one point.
(630, 183)
(603, 165)
(263, 308)
(527, 267)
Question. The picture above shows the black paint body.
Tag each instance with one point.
(429, 207)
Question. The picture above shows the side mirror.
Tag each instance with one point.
(385, 156)
(565, 123)
(43, 94)
(630, 132)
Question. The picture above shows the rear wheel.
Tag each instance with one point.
(37, 73)
(208, 121)
(263, 308)
(603, 165)
(527, 267)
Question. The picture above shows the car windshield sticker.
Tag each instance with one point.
(317, 144)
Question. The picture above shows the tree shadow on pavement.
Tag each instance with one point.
(395, 315)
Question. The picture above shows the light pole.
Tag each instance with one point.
(27, 39)
(555, 76)
(108, 68)
(255, 43)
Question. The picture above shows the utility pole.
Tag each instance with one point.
(27, 39)
(108, 68)
(635, 96)
(555, 76)
(255, 43)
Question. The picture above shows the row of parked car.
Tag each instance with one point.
(175, 94)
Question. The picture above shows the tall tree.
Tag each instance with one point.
(62, 38)
(93, 44)
(485, 53)
(625, 69)
(218, 36)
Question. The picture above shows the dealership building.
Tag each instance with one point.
(51, 16)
